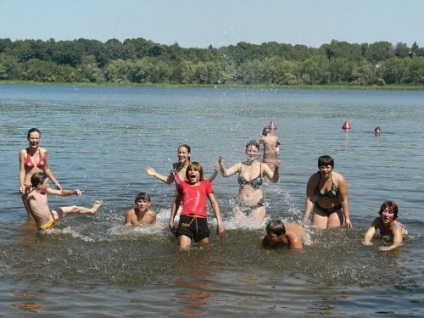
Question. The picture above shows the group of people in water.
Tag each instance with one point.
(326, 196)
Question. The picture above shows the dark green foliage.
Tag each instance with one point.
(142, 61)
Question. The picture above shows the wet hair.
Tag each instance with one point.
(276, 227)
(266, 131)
(325, 161)
(377, 129)
(38, 178)
(252, 142)
(391, 206)
(195, 166)
(33, 130)
(142, 196)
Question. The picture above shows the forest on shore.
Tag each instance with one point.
(145, 62)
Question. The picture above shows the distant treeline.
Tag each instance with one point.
(142, 61)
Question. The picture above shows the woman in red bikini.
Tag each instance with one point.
(31, 160)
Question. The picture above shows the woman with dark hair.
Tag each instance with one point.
(178, 170)
(32, 160)
(326, 197)
(250, 202)
(387, 224)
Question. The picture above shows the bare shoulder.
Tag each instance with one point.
(151, 213)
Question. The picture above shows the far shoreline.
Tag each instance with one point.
(227, 86)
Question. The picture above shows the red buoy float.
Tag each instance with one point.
(346, 125)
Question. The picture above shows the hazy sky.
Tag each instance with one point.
(199, 23)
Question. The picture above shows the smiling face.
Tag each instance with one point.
(325, 170)
(387, 215)
(142, 204)
(34, 139)
(183, 154)
(252, 152)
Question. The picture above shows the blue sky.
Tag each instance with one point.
(200, 23)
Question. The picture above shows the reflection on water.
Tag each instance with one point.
(100, 140)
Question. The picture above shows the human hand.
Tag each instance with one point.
(22, 189)
(348, 224)
(220, 230)
(171, 226)
(150, 171)
(78, 192)
(221, 160)
(276, 164)
(58, 186)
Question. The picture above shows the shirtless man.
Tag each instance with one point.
(39, 207)
(140, 213)
(271, 146)
(280, 234)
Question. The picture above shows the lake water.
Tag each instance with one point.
(100, 139)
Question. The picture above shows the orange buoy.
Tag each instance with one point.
(346, 125)
(272, 126)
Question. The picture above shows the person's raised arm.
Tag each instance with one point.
(166, 179)
(215, 172)
(273, 176)
(230, 171)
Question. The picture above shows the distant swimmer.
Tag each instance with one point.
(39, 207)
(387, 224)
(377, 131)
(283, 234)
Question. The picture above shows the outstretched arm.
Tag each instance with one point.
(230, 171)
(167, 179)
(397, 239)
(64, 192)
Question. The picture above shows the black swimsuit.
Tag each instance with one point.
(332, 193)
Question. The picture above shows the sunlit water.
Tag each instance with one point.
(100, 139)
